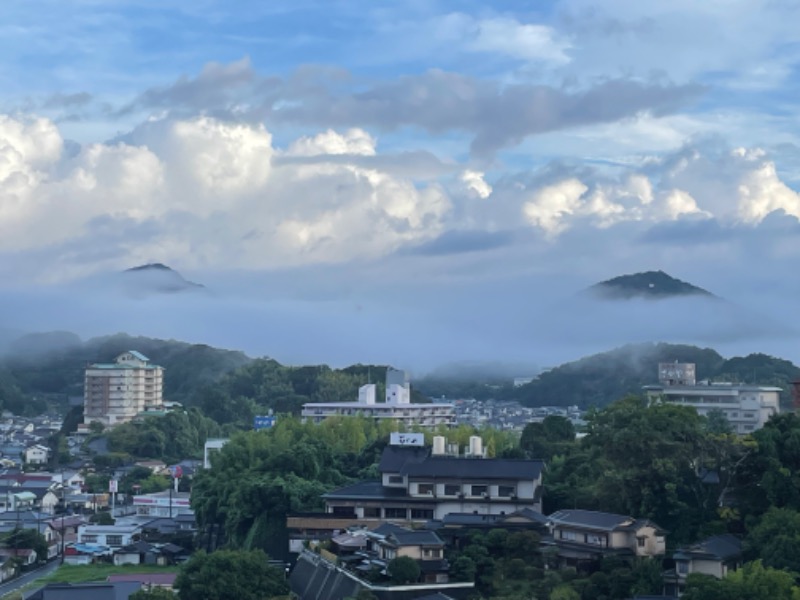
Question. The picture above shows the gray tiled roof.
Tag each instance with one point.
(590, 519)
(483, 468)
(720, 547)
(367, 489)
(420, 537)
(394, 458)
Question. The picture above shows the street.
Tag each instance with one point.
(15, 584)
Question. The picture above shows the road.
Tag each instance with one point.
(15, 584)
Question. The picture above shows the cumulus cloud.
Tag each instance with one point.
(734, 186)
(210, 195)
(475, 184)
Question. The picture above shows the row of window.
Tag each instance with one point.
(111, 540)
(453, 489)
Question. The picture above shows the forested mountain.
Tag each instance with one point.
(650, 284)
(51, 366)
(603, 378)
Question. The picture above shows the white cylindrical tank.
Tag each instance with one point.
(475, 445)
(438, 445)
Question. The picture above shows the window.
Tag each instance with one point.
(425, 489)
(89, 539)
(641, 541)
(480, 490)
(396, 513)
(343, 511)
(114, 540)
(596, 540)
(568, 535)
(451, 489)
(372, 513)
(431, 553)
(506, 491)
(683, 567)
(395, 479)
(749, 415)
(421, 513)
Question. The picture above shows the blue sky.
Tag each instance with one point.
(511, 149)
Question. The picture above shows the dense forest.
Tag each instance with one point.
(597, 380)
(636, 459)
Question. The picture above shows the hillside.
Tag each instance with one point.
(654, 285)
(602, 378)
(52, 364)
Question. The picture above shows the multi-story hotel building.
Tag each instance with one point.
(746, 407)
(397, 406)
(116, 392)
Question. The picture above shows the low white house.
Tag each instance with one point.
(36, 454)
(114, 536)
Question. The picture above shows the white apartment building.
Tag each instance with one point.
(116, 392)
(397, 405)
(747, 407)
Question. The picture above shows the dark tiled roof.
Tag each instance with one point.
(529, 513)
(470, 519)
(420, 537)
(720, 547)
(483, 468)
(120, 590)
(385, 529)
(394, 458)
(590, 519)
(367, 489)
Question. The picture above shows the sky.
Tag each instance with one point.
(406, 182)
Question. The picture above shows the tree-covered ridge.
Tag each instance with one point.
(599, 379)
(51, 365)
(650, 284)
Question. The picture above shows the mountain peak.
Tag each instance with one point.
(655, 285)
(158, 277)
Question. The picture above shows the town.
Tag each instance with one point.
(448, 482)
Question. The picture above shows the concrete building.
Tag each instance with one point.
(419, 484)
(746, 407)
(116, 392)
(212, 446)
(162, 504)
(397, 405)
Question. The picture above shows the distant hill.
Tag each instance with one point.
(653, 285)
(603, 378)
(52, 364)
(158, 277)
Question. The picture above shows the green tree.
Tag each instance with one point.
(776, 539)
(230, 575)
(156, 593)
(751, 582)
(27, 538)
(463, 569)
(403, 569)
(564, 592)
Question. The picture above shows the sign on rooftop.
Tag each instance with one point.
(407, 439)
(263, 422)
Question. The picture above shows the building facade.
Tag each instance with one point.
(419, 484)
(746, 407)
(117, 392)
(397, 405)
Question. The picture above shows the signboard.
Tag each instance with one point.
(177, 472)
(263, 422)
(113, 484)
(407, 439)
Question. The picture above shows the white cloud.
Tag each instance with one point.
(475, 184)
(204, 192)
(525, 41)
(353, 141)
(550, 205)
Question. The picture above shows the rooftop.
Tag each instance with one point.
(601, 521)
